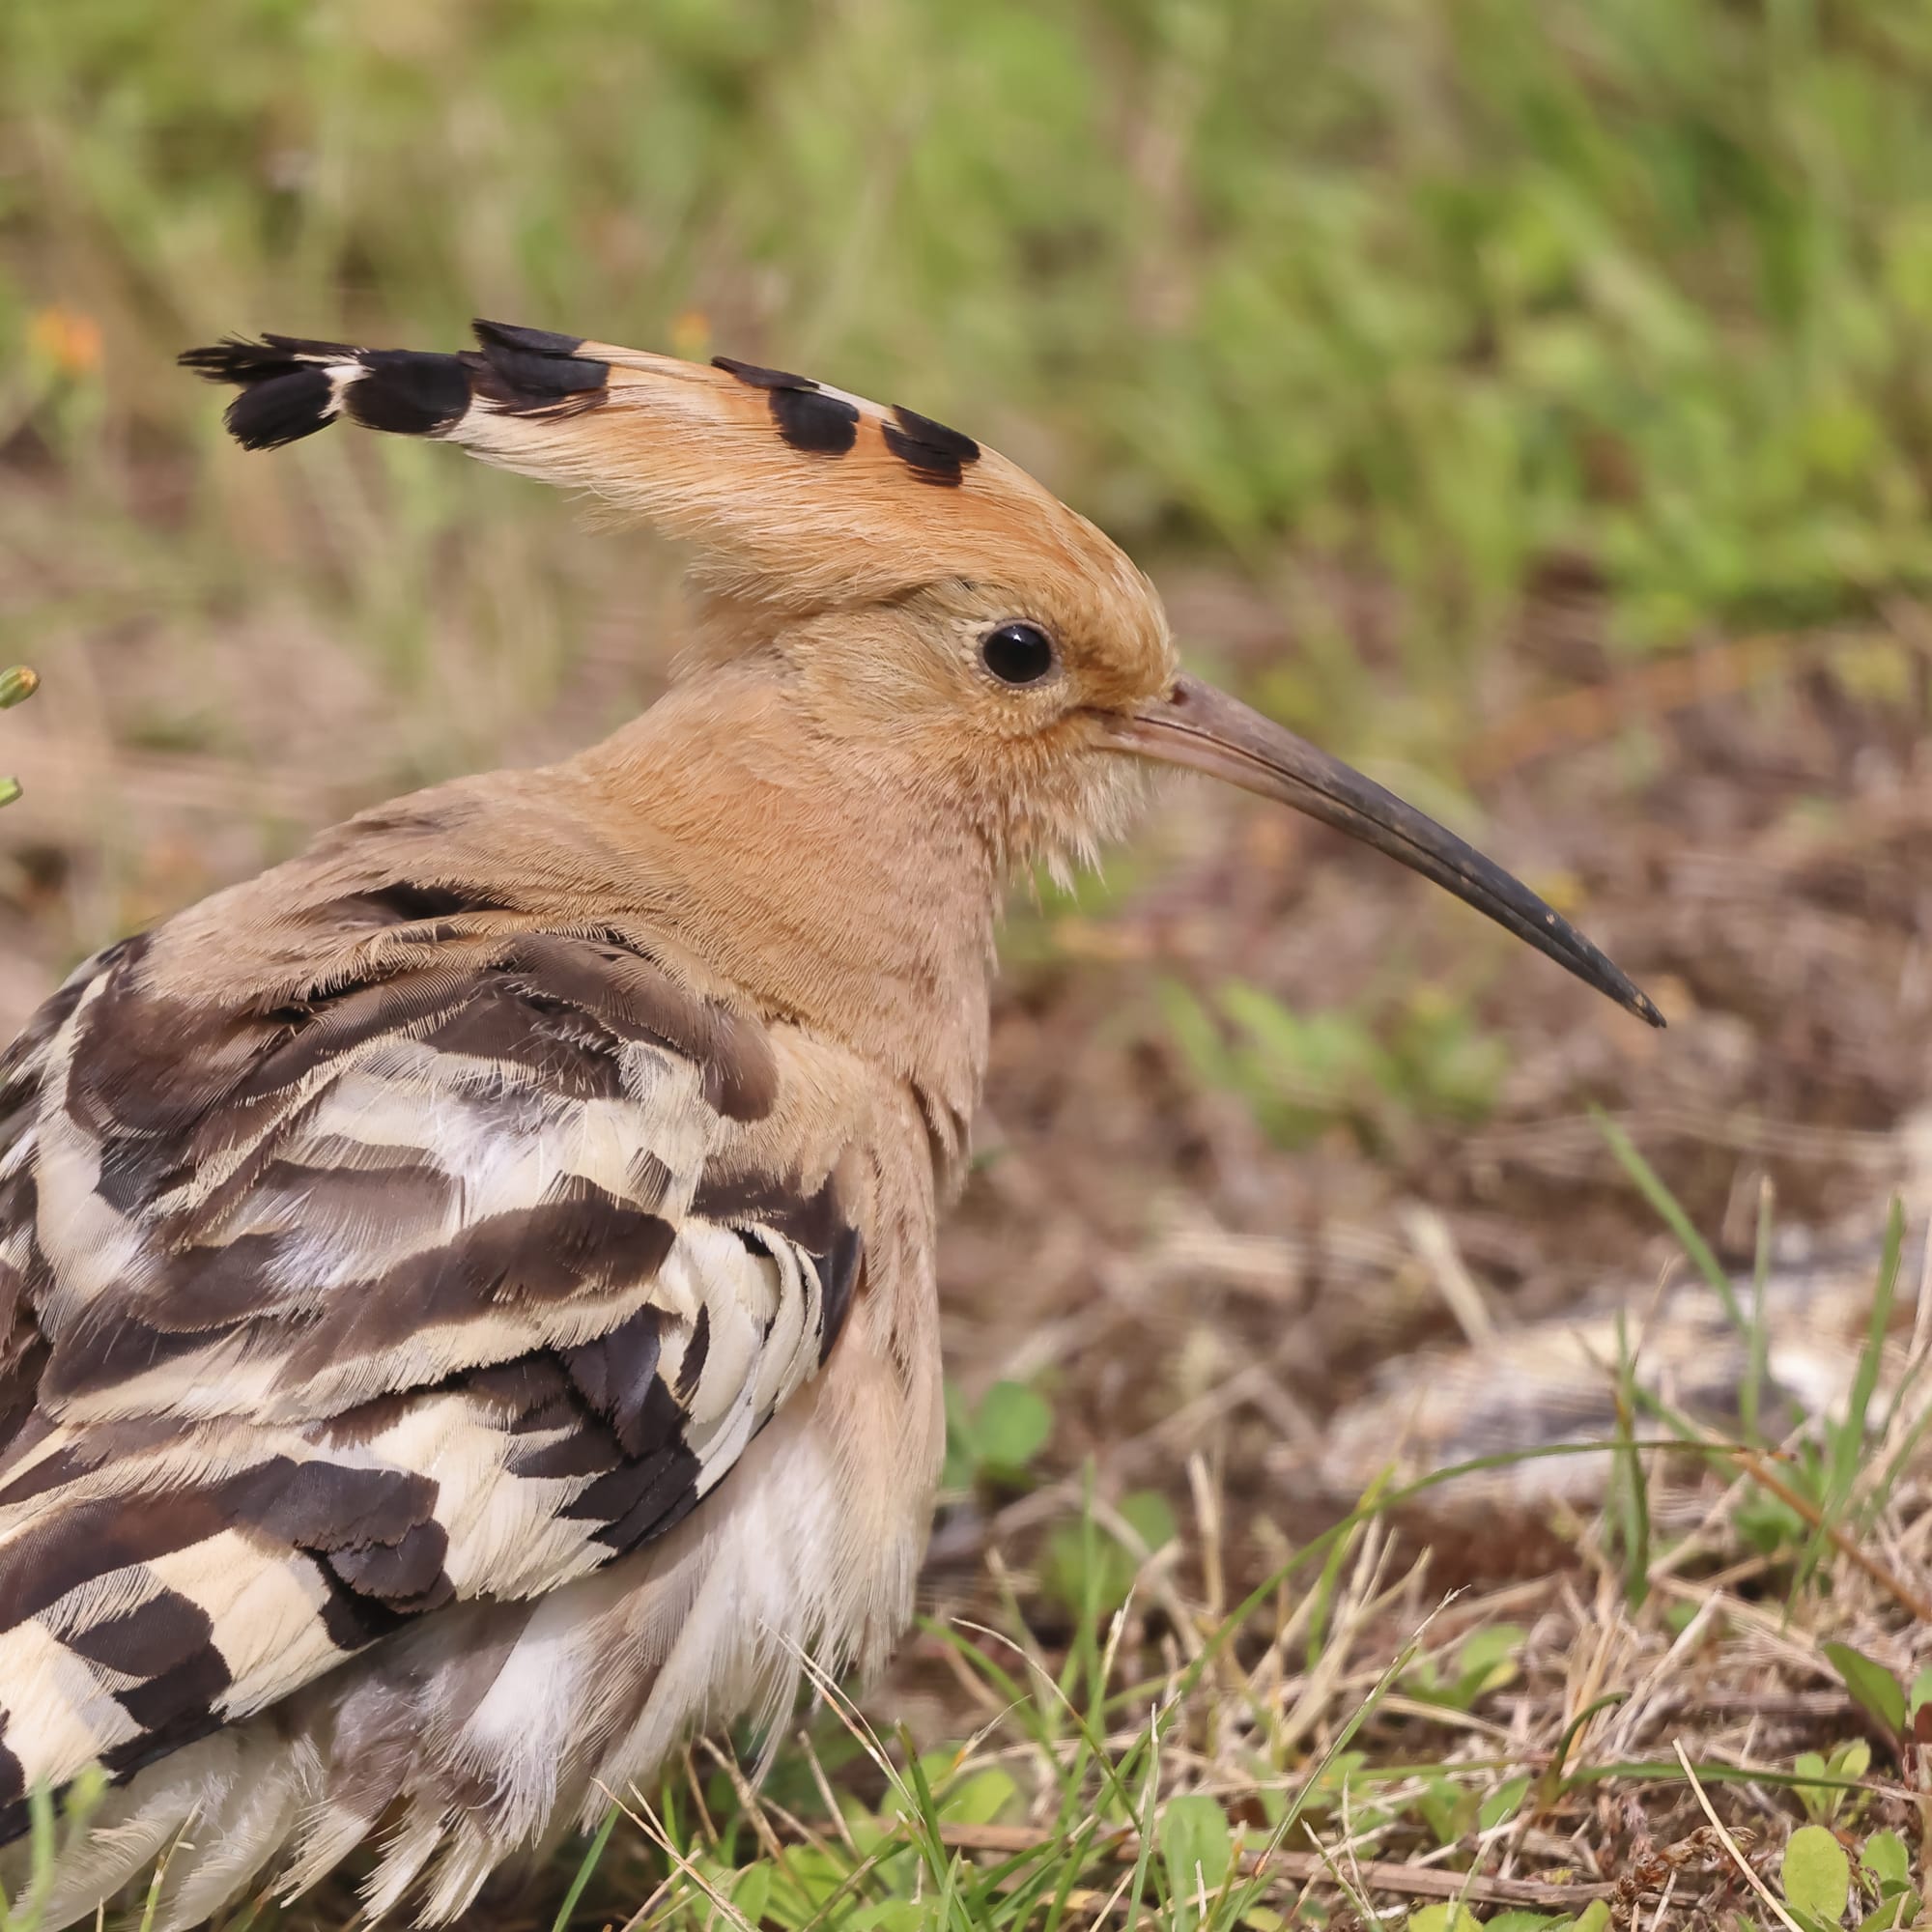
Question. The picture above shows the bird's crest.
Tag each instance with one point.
(790, 489)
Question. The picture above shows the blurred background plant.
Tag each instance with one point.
(16, 686)
(1527, 398)
(1453, 295)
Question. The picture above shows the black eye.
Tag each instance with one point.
(1018, 653)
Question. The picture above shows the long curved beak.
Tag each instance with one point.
(1199, 727)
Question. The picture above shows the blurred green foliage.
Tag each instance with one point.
(996, 1442)
(1444, 291)
(1371, 1068)
(18, 684)
(1089, 1569)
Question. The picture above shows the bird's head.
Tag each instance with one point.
(924, 599)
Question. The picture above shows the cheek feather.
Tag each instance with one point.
(1059, 804)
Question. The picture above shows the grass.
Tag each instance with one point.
(1347, 1744)
(1527, 401)
(1636, 290)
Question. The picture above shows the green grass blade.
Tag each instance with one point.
(1757, 1352)
(1845, 1439)
(1632, 1489)
(1330, 1580)
(1669, 1210)
(584, 1870)
(1849, 1441)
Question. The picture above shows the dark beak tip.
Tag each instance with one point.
(1199, 727)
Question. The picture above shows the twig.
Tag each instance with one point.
(1301, 1868)
(1730, 1844)
(648, 1824)
(1664, 1903)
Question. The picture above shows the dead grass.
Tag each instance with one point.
(1363, 1743)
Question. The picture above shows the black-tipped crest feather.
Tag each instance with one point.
(294, 385)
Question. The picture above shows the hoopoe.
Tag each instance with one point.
(467, 1311)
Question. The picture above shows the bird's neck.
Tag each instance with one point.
(823, 879)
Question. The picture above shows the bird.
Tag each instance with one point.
(467, 1303)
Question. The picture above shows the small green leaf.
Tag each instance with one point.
(1197, 1848)
(1146, 1512)
(1089, 1569)
(1503, 1803)
(1820, 1800)
(891, 1914)
(1594, 1916)
(1892, 1913)
(1488, 1660)
(753, 1892)
(1447, 1808)
(1437, 1919)
(962, 1443)
(1012, 1427)
(1769, 1525)
(1522, 1922)
(1870, 1684)
(1484, 1663)
(1920, 1692)
(811, 1877)
(1885, 1856)
(1852, 1759)
(863, 1827)
(1330, 1789)
(979, 1800)
(1816, 1874)
(1483, 1649)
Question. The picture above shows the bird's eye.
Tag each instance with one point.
(1018, 653)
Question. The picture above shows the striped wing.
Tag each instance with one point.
(437, 1282)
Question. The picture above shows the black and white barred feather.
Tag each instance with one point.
(430, 1286)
